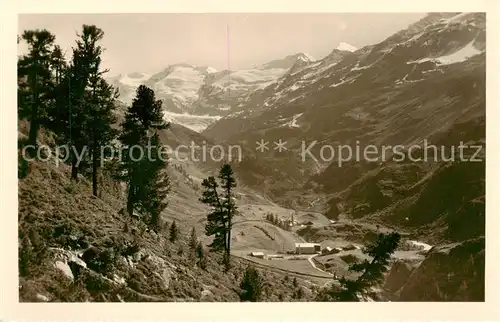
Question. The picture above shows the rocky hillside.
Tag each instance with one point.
(437, 277)
(75, 247)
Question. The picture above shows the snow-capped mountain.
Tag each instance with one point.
(420, 53)
(127, 84)
(346, 47)
(416, 84)
(196, 96)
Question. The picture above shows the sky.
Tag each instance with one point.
(150, 42)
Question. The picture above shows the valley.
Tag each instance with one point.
(425, 83)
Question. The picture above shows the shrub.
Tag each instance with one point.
(202, 257)
(372, 272)
(173, 232)
(251, 285)
(26, 256)
(299, 293)
(349, 258)
(102, 261)
(23, 168)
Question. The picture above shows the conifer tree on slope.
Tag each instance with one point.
(156, 183)
(100, 98)
(216, 222)
(219, 220)
(372, 271)
(251, 285)
(99, 130)
(228, 183)
(35, 83)
(58, 113)
(85, 61)
(58, 63)
(143, 116)
(174, 231)
(84, 101)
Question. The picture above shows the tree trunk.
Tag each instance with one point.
(229, 223)
(74, 167)
(94, 172)
(34, 122)
(225, 237)
(33, 132)
(130, 201)
(228, 250)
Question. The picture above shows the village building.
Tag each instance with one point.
(307, 248)
(326, 250)
(257, 254)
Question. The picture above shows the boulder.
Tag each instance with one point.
(206, 296)
(65, 269)
(119, 280)
(162, 268)
(41, 298)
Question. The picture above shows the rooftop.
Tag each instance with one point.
(306, 245)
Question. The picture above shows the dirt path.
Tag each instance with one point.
(310, 259)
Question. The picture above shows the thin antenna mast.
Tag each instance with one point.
(228, 62)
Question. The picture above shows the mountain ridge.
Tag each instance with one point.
(196, 96)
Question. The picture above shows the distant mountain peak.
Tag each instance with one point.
(305, 56)
(288, 61)
(343, 46)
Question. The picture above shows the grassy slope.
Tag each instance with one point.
(59, 219)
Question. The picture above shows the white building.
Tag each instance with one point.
(257, 254)
(307, 248)
(326, 250)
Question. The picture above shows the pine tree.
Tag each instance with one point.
(216, 222)
(372, 271)
(35, 82)
(251, 285)
(79, 97)
(99, 130)
(156, 184)
(84, 102)
(144, 177)
(219, 220)
(58, 63)
(173, 232)
(228, 183)
(58, 114)
(26, 254)
(202, 256)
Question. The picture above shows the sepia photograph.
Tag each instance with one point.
(251, 157)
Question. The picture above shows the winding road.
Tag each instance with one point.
(310, 259)
(291, 272)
